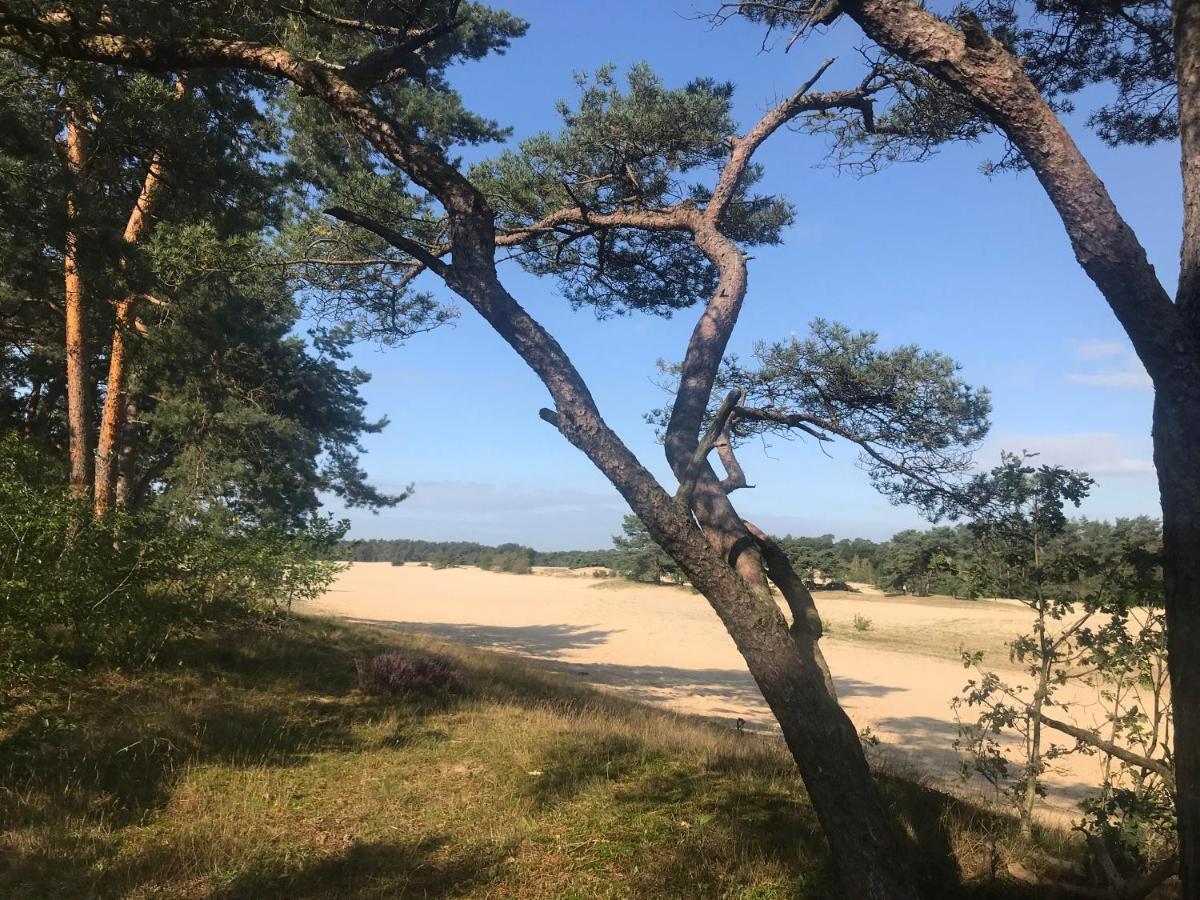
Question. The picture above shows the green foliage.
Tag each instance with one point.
(515, 562)
(344, 272)
(925, 562)
(1095, 591)
(229, 407)
(862, 623)
(814, 558)
(1068, 47)
(631, 150)
(234, 408)
(914, 419)
(75, 591)
(465, 553)
(640, 558)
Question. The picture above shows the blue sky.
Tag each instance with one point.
(935, 254)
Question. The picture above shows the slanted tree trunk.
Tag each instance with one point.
(726, 567)
(126, 458)
(719, 555)
(1165, 334)
(1177, 458)
(112, 421)
(79, 426)
(33, 404)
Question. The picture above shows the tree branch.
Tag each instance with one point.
(307, 9)
(687, 483)
(1085, 736)
(977, 66)
(674, 218)
(735, 477)
(417, 251)
(404, 60)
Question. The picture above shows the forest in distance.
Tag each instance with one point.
(949, 560)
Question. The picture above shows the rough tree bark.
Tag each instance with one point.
(79, 426)
(112, 419)
(113, 422)
(1165, 334)
(723, 561)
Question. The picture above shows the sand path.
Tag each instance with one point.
(666, 646)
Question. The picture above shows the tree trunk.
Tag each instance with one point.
(724, 565)
(1177, 458)
(33, 403)
(112, 421)
(126, 456)
(78, 412)
(825, 745)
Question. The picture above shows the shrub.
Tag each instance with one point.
(516, 563)
(862, 623)
(404, 674)
(75, 591)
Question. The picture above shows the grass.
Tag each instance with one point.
(248, 765)
(941, 641)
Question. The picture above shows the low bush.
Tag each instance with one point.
(402, 674)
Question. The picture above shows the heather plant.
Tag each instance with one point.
(408, 674)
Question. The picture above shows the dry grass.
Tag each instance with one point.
(249, 765)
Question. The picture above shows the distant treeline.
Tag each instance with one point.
(440, 554)
(948, 560)
(962, 561)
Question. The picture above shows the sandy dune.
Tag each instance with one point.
(666, 646)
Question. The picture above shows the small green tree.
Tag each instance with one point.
(1019, 512)
(640, 558)
(814, 558)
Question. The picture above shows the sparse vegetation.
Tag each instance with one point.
(861, 622)
(250, 765)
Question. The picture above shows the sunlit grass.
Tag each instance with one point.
(249, 765)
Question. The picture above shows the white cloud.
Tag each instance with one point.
(1097, 453)
(1126, 379)
(1091, 350)
(1123, 372)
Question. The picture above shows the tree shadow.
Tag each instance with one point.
(727, 695)
(926, 744)
(245, 701)
(381, 869)
(537, 641)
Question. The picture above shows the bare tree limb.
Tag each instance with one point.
(687, 483)
(1091, 738)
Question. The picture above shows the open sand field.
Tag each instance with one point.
(665, 645)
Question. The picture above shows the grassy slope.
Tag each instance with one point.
(249, 766)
